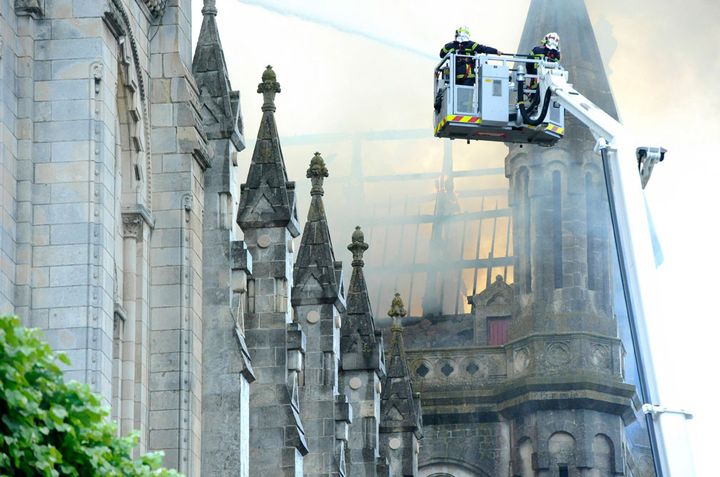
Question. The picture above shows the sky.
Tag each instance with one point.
(357, 66)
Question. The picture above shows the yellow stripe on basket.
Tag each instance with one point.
(457, 119)
(555, 129)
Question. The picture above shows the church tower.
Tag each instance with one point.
(565, 398)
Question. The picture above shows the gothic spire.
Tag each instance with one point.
(267, 199)
(360, 343)
(316, 272)
(220, 104)
(358, 301)
(399, 405)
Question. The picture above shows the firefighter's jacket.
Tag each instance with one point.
(464, 67)
(540, 53)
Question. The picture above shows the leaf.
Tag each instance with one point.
(51, 427)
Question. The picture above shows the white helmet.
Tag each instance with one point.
(552, 41)
(462, 34)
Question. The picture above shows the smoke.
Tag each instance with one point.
(294, 10)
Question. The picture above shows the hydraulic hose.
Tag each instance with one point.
(521, 95)
(526, 113)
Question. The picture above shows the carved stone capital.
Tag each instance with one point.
(132, 225)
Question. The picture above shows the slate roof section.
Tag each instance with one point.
(315, 277)
(267, 199)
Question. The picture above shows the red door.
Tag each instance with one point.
(497, 330)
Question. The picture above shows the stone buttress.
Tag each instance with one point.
(226, 365)
(400, 411)
(267, 216)
(318, 301)
(363, 369)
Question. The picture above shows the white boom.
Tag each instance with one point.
(622, 158)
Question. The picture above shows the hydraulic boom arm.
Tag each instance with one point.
(622, 160)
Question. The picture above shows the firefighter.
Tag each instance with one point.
(548, 50)
(465, 67)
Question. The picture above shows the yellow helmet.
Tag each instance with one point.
(462, 34)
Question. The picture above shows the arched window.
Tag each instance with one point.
(602, 448)
(592, 218)
(557, 229)
(561, 447)
(524, 222)
(449, 469)
(525, 454)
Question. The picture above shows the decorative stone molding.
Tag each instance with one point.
(156, 7)
(130, 71)
(33, 8)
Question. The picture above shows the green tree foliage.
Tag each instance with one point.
(52, 428)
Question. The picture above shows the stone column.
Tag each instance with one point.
(132, 234)
(268, 217)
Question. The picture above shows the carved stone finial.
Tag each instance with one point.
(316, 173)
(358, 247)
(209, 7)
(269, 88)
(396, 312)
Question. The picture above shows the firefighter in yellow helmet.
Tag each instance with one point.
(465, 67)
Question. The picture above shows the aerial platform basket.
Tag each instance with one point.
(487, 108)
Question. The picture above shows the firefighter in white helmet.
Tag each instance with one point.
(548, 50)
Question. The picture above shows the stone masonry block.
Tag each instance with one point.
(61, 172)
(66, 234)
(60, 255)
(62, 90)
(61, 213)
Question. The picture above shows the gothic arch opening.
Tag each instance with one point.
(525, 455)
(561, 446)
(602, 448)
(450, 469)
(127, 157)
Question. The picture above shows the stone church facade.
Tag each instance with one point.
(174, 286)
